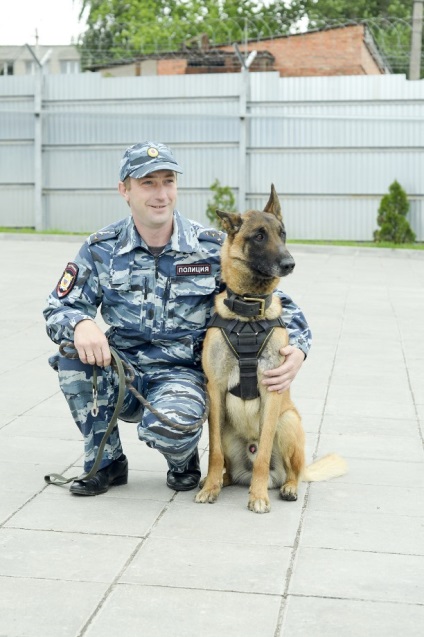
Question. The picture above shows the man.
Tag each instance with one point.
(154, 275)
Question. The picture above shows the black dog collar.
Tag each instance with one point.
(248, 305)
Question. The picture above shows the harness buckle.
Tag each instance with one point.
(261, 303)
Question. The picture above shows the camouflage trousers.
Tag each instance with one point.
(177, 392)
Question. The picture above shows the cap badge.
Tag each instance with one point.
(152, 152)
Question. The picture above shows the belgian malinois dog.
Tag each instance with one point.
(255, 435)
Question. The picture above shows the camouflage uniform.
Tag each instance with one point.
(157, 308)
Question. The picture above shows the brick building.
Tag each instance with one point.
(349, 50)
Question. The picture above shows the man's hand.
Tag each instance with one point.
(91, 344)
(280, 378)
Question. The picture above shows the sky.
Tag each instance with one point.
(55, 20)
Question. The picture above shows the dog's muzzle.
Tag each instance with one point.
(286, 265)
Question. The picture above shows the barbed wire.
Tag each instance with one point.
(391, 35)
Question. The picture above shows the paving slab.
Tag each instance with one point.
(346, 558)
(375, 447)
(364, 531)
(163, 611)
(32, 607)
(206, 521)
(359, 575)
(350, 498)
(185, 563)
(100, 516)
(323, 617)
(63, 556)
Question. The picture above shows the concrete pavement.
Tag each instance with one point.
(346, 559)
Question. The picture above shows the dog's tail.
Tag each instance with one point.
(331, 466)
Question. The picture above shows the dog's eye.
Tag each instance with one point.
(260, 236)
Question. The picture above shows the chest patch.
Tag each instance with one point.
(67, 280)
(193, 268)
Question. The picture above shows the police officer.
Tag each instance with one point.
(153, 275)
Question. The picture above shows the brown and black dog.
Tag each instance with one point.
(255, 435)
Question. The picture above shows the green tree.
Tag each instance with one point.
(121, 29)
(389, 21)
(359, 9)
(391, 218)
(223, 199)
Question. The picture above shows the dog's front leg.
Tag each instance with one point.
(212, 485)
(258, 493)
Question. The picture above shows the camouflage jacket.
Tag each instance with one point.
(157, 307)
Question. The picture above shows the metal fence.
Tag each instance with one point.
(331, 145)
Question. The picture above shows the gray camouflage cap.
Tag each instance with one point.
(144, 158)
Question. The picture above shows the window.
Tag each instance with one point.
(6, 68)
(31, 67)
(69, 66)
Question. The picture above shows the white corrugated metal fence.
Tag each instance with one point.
(331, 145)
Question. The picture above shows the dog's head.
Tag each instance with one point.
(257, 239)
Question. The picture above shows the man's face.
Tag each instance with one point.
(152, 198)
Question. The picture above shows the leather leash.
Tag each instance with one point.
(124, 381)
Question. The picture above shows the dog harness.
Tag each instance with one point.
(246, 339)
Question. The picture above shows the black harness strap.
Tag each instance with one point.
(246, 339)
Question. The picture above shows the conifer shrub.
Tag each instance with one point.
(392, 213)
(223, 199)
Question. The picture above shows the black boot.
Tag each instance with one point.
(188, 479)
(116, 473)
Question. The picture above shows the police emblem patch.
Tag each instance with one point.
(67, 280)
(152, 152)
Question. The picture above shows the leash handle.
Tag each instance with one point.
(59, 480)
(123, 382)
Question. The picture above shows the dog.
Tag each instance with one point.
(255, 436)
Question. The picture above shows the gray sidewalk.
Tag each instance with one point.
(346, 559)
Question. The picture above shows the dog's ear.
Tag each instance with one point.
(231, 221)
(273, 204)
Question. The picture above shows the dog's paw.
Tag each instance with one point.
(259, 505)
(207, 495)
(288, 493)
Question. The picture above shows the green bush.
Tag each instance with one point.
(391, 218)
(223, 199)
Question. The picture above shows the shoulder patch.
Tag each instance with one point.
(102, 235)
(215, 236)
(67, 280)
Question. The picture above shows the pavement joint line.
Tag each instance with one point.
(131, 557)
(6, 424)
(290, 569)
(326, 276)
(414, 402)
(195, 588)
(35, 405)
(296, 544)
(333, 364)
(109, 590)
(23, 364)
(6, 520)
(356, 599)
(59, 531)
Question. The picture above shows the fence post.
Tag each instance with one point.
(244, 86)
(38, 147)
(244, 100)
(39, 216)
(416, 38)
